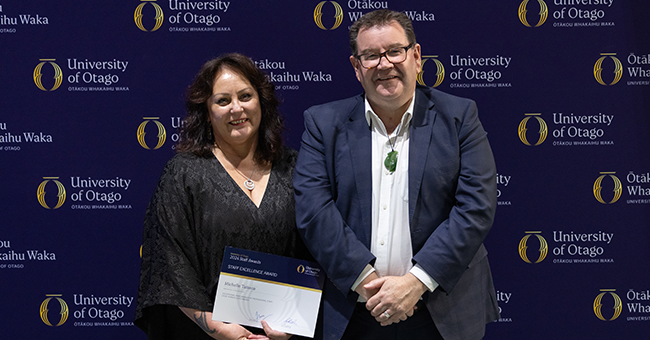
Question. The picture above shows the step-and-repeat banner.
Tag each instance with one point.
(91, 100)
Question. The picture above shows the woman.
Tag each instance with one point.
(229, 185)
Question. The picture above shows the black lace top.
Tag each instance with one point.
(196, 211)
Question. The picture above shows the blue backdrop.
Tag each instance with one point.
(92, 98)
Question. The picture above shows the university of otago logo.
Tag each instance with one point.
(543, 13)
(598, 69)
(162, 133)
(63, 314)
(318, 15)
(598, 304)
(543, 247)
(598, 187)
(137, 15)
(543, 129)
(40, 193)
(301, 269)
(440, 70)
(38, 75)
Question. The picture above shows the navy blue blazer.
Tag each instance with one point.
(452, 201)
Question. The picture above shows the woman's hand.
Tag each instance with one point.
(230, 331)
(270, 334)
(216, 329)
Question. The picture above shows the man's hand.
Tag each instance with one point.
(396, 298)
(366, 293)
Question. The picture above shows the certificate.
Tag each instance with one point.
(283, 291)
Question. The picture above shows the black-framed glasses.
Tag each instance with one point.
(394, 55)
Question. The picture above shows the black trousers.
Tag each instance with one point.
(363, 326)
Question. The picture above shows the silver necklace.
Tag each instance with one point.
(248, 183)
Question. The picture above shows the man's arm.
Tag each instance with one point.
(332, 242)
(449, 249)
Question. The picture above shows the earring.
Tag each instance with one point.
(210, 133)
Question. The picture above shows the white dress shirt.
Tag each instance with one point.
(391, 234)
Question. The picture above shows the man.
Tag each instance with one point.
(395, 193)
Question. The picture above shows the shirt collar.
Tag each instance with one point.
(372, 116)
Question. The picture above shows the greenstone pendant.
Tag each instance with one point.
(391, 161)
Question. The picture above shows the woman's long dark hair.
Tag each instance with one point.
(196, 130)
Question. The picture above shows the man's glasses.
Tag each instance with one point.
(395, 55)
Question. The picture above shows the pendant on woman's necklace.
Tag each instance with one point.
(391, 161)
(249, 184)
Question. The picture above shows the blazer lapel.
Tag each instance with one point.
(419, 143)
(359, 142)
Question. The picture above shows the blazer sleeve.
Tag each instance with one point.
(321, 210)
(467, 197)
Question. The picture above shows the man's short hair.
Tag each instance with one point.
(381, 17)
